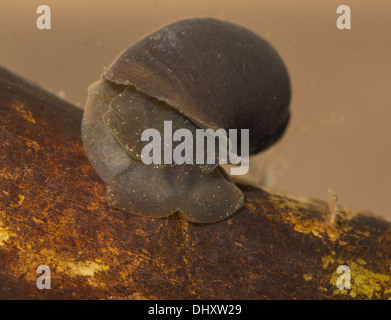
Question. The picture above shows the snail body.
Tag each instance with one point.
(196, 73)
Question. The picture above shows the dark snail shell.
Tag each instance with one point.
(216, 73)
(197, 73)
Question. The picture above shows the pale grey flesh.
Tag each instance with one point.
(201, 193)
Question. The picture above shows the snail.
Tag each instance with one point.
(197, 73)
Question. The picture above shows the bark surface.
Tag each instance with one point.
(53, 211)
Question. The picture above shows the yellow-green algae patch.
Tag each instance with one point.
(71, 267)
(364, 282)
(23, 111)
(5, 234)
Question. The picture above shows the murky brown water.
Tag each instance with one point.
(347, 73)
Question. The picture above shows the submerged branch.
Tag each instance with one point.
(54, 212)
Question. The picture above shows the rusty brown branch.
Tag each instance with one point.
(53, 211)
